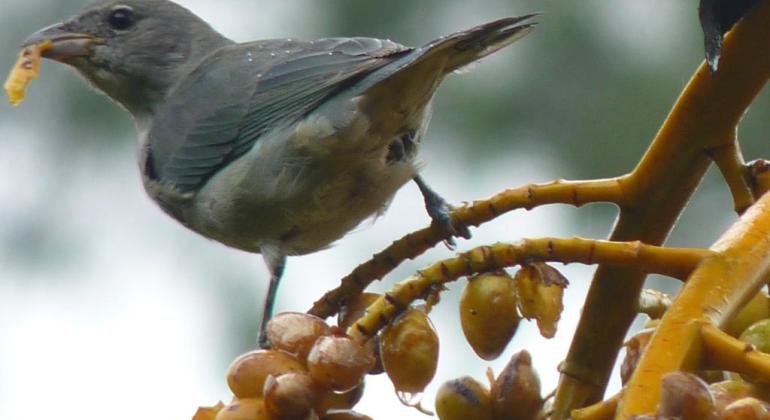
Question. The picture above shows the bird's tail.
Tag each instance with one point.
(452, 52)
(465, 47)
(416, 74)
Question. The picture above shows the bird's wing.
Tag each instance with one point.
(221, 109)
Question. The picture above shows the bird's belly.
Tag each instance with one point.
(300, 223)
(297, 202)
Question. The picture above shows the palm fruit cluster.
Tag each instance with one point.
(312, 371)
(493, 304)
(315, 371)
(513, 395)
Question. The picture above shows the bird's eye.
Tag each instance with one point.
(121, 18)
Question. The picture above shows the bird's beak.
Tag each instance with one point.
(66, 44)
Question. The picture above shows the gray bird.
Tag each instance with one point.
(280, 146)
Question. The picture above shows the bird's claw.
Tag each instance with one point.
(263, 342)
(440, 212)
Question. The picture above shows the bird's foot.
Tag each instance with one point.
(440, 212)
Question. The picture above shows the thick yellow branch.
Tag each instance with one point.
(713, 294)
(675, 262)
(724, 352)
(704, 117)
(410, 246)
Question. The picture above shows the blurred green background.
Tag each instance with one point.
(109, 309)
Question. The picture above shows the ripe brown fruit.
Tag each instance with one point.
(635, 347)
(291, 395)
(684, 395)
(409, 349)
(295, 332)
(463, 399)
(246, 375)
(488, 313)
(341, 400)
(516, 391)
(208, 413)
(540, 289)
(245, 409)
(338, 363)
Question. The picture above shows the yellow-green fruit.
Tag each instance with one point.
(246, 375)
(756, 309)
(245, 409)
(488, 313)
(746, 409)
(516, 391)
(758, 335)
(727, 392)
(409, 350)
(463, 399)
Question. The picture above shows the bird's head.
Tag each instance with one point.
(132, 50)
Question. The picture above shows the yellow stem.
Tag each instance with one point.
(730, 162)
(603, 410)
(412, 245)
(724, 352)
(706, 114)
(675, 262)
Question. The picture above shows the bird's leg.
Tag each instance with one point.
(438, 210)
(276, 261)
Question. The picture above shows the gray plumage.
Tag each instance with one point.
(276, 146)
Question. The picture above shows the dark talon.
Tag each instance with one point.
(439, 210)
(263, 342)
